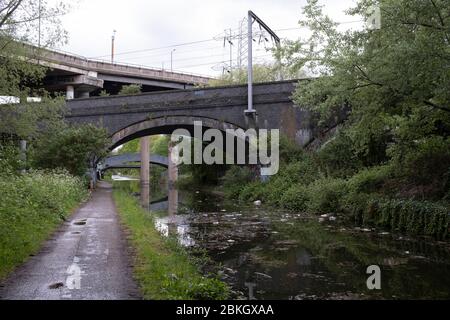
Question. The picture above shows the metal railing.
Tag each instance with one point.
(126, 64)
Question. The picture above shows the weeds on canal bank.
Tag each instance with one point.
(32, 206)
(357, 200)
(405, 195)
(163, 268)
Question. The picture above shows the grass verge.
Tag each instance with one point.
(32, 206)
(163, 268)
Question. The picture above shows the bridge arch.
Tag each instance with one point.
(166, 125)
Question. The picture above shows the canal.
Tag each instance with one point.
(263, 253)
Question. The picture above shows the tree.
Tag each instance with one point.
(393, 81)
(129, 147)
(26, 22)
(33, 21)
(386, 76)
(25, 120)
(131, 89)
(19, 25)
(400, 68)
(159, 144)
(261, 73)
(74, 148)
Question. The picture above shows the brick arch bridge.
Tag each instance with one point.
(129, 117)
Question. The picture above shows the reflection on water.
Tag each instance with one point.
(281, 255)
(172, 224)
(162, 225)
(176, 226)
(117, 177)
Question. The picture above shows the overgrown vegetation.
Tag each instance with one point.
(19, 20)
(74, 148)
(32, 206)
(35, 201)
(372, 196)
(261, 73)
(163, 268)
(389, 162)
(53, 144)
(158, 145)
(130, 89)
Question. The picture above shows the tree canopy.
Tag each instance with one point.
(53, 144)
(401, 69)
(261, 73)
(393, 82)
(26, 22)
(72, 148)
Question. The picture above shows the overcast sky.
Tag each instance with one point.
(144, 26)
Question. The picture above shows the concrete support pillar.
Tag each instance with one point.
(172, 170)
(172, 176)
(172, 201)
(70, 92)
(145, 171)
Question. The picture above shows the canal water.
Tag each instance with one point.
(264, 253)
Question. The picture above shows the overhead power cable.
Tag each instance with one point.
(154, 49)
(202, 41)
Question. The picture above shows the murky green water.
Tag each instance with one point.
(269, 254)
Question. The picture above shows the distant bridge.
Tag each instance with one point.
(129, 161)
(81, 77)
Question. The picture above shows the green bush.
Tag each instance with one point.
(357, 207)
(130, 89)
(302, 171)
(208, 289)
(9, 158)
(428, 160)
(369, 180)
(325, 195)
(274, 190)
(72, 149)
(235, 179)
(337, 157)
(299, 172)
(270, 192)
(425, 163)
(253, 191)
(295, 198)
(32, 205)
(289, 150)
(310, 183)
